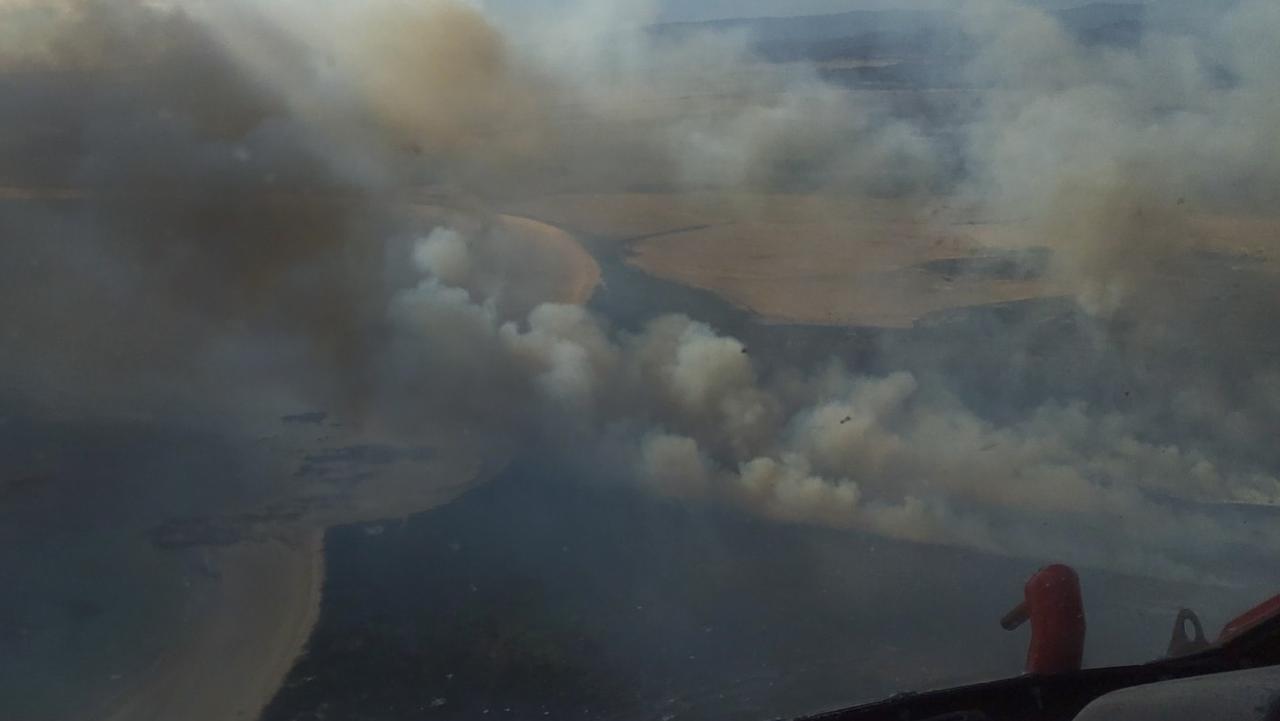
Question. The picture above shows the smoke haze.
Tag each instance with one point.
(229, 221)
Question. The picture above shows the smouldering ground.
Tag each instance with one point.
(252, 571)
(245, 630)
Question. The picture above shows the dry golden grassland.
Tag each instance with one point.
(824, 259)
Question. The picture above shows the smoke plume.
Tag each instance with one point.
(256, 206)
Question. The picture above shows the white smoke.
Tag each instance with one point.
(877, 454)
(1110, 154)
(1088, 150)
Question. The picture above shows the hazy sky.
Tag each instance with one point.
(707, 9)
(683, 10)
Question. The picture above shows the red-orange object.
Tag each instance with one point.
(1056, 610)
(1247, 620)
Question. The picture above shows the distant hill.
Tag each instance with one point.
(1105, 23)
(811, 28)
(903, 33)
(859, 33)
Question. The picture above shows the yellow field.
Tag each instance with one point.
(794, 258)
(830, 260)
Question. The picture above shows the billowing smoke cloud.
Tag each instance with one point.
(260, 231)
(1150, 170)
(878, 454)
(1113, 156)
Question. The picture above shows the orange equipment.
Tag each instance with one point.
(1056, 610)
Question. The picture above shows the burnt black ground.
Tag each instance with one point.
(540, 595)
(556, 592)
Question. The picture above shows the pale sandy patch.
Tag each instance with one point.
(244, 627)
(575, 273)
